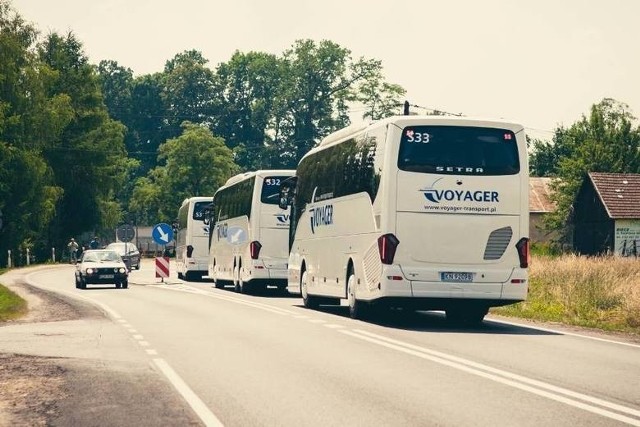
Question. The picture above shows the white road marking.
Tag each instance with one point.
(334, 326)
(198, 406)
(115, 315)
(572, 334)
(131, 330)
(207, 417)
(237, 300)
(138, 337)
(144, 343)
(151, 352)
(504, 377)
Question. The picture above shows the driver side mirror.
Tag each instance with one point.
(287, 192)
(207, 213)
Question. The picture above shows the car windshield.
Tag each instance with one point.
(120, 248)
(106, 256)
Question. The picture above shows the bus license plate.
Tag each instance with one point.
(456, 277)
(106, 276)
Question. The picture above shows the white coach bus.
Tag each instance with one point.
(250, 232)
(192, 239)
(420, 212)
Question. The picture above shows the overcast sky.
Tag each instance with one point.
(539, 62)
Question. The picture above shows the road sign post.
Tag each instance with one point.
(162, 267)
(125, 233)
(162, 234)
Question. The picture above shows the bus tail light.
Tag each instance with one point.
(523, 252)
(387, 245)
(189, 251)
(254, 249)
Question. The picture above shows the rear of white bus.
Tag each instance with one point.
(269, 250)
(457, 224)
(196, 251)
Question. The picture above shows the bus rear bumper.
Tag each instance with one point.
(428, 293)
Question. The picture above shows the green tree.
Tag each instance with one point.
(148, 120)
(318, 82)
(246, 88)
(88, 159)
(29, 120)
(194, 164)
(381, 99)
(604, 141)
(187, 91)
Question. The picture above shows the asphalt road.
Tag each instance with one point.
(244, 360)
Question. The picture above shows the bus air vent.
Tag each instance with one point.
(372, 267)
(496, 245)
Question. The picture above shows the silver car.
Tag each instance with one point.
(129, 253)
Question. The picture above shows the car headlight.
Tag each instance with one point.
(121, 270)
(90, 270)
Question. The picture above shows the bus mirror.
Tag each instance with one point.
(285, 199)
(207, 214)
(287, 190)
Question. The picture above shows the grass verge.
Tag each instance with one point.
(595, 292)
(11, 305)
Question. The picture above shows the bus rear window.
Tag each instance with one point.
(198, 210)
(458, 150)
(271, 189)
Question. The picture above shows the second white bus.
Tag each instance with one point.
(420, 212)
(192, 239)
(250, 232)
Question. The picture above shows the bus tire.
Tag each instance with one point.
(218, 284)
(357, 308)
(307, 300)
(470, 316)
(236, 281)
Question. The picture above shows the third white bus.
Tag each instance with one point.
(419, 212)
(250, 232)
(192, 239)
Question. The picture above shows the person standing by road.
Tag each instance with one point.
(73, 250)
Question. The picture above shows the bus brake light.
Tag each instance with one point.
(523, 252)
(254, 249)
(387, 245)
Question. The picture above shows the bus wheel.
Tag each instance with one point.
(180, 276)
(245, 288)
(218, 284)
(236, 279)
(470, 316)
(357, 308)
(308, 300)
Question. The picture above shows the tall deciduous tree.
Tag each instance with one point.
(194, 164)
(89, 158)
(319, 80)
(246, 88)
(604, 141)
(29, 120)
(187, 91)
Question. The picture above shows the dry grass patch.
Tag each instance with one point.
(600, 292)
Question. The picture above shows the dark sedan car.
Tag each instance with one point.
(101, 266)
(129, 253)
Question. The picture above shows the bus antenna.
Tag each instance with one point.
(406, 108)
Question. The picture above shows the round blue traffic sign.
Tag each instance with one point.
(162, 233)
